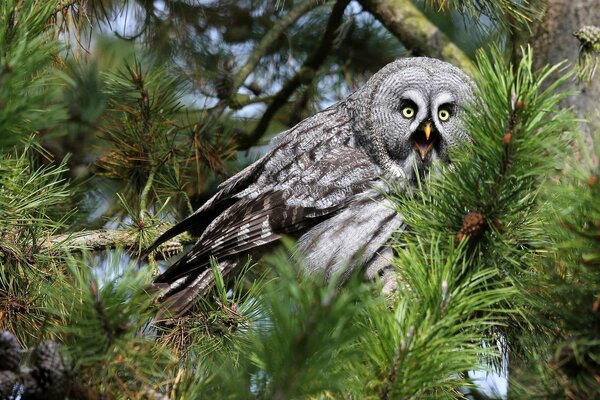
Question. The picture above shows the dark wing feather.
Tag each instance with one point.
(250, 223)
(233, 235)
(178, 298)
(313, 171)
(197, 222)
(274, 167)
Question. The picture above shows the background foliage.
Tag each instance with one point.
(118, 118)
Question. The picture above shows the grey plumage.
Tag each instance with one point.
(322, 180)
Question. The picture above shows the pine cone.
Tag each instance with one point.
(473, 225)
(588, 35)
(30, 389)
(589, 52)
(8, 381)
(224, 85)
(10, 352)
(49, 371)
(224, 81)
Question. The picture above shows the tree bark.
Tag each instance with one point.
(553, 41)
(105, 239)
(416, 32)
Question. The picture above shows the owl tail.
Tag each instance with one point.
(177, 295)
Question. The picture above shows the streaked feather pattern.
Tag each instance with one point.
(322, 181)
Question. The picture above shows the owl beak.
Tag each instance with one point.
(427, 129)
(425, 138)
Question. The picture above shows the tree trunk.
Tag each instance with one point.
(553, 41)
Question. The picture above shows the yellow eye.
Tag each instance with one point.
(443, 114)
(408, 112)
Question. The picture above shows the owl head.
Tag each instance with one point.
(409, 114)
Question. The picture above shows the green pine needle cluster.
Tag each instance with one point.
(32, 208)
(26, 67)
(507, 14)
(498, 260)
(162, 152)
(443, 315)
(563, 353)
(100, 310)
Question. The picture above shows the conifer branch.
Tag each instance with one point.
(105, 322)
(305, 74)
(416, 32)
(263, 47)
(269, 40)
(144, 194)
(243, 100)
(105, 239)
(508, 155)
(393, 373)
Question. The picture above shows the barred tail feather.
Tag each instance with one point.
(181, 227)
(179, 295)
(196, 223)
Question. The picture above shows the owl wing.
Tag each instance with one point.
(294, 150)
(313, 170)
(300, 199)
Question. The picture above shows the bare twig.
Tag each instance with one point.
(305, 75)
(265, 45)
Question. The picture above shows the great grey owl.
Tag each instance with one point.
(323, 181)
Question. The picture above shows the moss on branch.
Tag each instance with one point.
(418, 34)
(104, 239)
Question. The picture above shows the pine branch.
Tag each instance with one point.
(105, 239)
(28, 48)
(100, 316)
(416, 32)
(507, 14)
(269, 40)
(390, 380)
(265, 45)
(243, 100)
(305, 75)
(144, 194)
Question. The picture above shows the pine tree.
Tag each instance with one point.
(499, 260)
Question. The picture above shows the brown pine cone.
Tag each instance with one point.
(49, 371)
(10, 352)
(588, 35)
(474, 224)
(8, 382)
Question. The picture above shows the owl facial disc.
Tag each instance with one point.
(425, 137)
